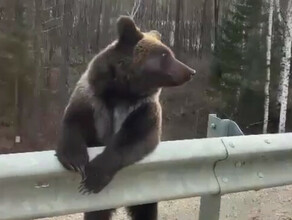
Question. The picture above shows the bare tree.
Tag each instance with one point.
(67, 25)
(285, 64)
(177, 26)
(38, 69)
(216, 20)
(94, 24)
(280, 19)
(135, 9)
(278, 11)
(18, 7)
(268, 66)
(98, 24)
(205, 30)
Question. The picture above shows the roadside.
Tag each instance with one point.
(267, 204)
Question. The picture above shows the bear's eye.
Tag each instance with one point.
(163, 54)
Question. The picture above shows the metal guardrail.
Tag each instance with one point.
(34, 185)
(252, 163)
(217, 127)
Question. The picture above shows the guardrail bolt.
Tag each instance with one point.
(231, 145)
(225, 179)
(213, 126)
(260, 175)
(238, 164)
(267, 141)
(40, 185)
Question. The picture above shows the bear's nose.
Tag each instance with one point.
(194, 72)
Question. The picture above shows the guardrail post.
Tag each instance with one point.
(210, 204)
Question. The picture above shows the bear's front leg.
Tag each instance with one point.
(77, 132)
(98, 173)
(138, 136)
(72, 151)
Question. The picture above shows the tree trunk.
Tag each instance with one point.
(278, 12)
(216, 21)
(84, 34)
(63, 90)
(97, 38)
(205, 29)
(280, 19)
(106, 15)
(16, 103)
(177, 27)
(268, 63)
(285, 64)
(38, 72)
(18, 9)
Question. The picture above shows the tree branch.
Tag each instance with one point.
(135, 8)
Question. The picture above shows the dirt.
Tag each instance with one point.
(268, 204)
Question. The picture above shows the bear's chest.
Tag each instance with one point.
(121, 112)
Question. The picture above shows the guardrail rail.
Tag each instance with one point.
(35, 185)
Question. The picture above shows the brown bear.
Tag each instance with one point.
(116, 104)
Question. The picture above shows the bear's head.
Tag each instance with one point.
(144, 61)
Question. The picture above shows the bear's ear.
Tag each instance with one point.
(127, 30)
(155, 34)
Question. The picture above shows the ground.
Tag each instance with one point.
(268, 204)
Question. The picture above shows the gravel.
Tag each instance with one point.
(268, 204)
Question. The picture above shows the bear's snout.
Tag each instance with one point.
(183, 73)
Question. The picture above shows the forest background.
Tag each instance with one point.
(241, 50)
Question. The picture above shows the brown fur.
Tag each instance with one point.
(116, 104)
